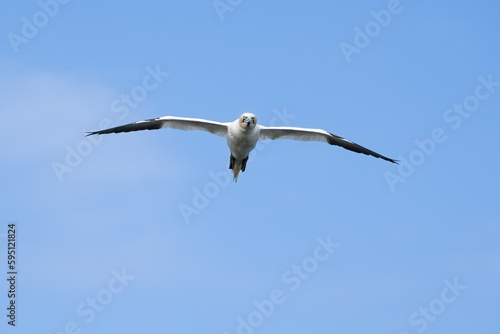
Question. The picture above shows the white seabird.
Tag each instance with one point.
(242, 135)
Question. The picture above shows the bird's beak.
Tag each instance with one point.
(248, 124)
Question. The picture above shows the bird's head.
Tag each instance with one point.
(247, 121)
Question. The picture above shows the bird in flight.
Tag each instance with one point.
(242, 135)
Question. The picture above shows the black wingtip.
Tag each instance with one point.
(390, 160)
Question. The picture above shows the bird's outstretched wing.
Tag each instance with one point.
(169, 122)
(316, 135)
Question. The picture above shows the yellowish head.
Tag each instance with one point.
(247, 121)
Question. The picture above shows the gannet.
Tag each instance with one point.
(242, 135)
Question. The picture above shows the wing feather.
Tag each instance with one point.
(181, 123)
(316, 135)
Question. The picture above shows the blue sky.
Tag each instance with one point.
(145, 232)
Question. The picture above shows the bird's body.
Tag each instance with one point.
(241, 140)
(242, 135)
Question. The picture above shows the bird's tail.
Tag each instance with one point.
(236, 169)
(237, 166)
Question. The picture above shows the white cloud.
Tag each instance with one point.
(43, 111)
